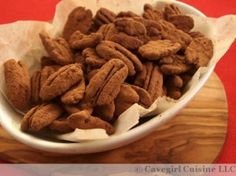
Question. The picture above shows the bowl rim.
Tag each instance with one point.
(115, 141)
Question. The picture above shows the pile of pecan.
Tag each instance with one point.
(103, 64)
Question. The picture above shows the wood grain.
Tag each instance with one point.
(195, 135)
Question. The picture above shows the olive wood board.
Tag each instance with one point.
(196, 135)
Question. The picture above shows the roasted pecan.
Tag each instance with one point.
(150, 79)
(175, 81)
(196, 34)
(125, 99)
(151, 13)
(130, 26)
(81, 41)
(71, 109)
(200, 51)
(174, 93)
(174, 85)
(75, 94)
(91, 73)
(79, 19)
(127, 41)
(170, 32)
(108, 30)
(35, 87)
(182, 22)
(126, 14)
(92, 59)
(171, 10)
(174, 65)
(105, 85)
(40, 117)
(83, 120)
(61, 125)
(154, 50)
(48, 71)
(18, 87)
(109, 50)
(58, 49)
(145, 99)
(104, 16)
(61, 81)
(105, 112)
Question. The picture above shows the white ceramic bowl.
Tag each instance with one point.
(11, 122)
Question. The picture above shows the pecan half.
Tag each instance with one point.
(92, 59)
(104, 16)
(83, 120)
(79, 19)
(105, 112)
(171, 10)
(145, 99)
(109, 50)
(200, 51)
(18, 87)
(61, 125)
(105, 85)
(40, 117)
(127, 41)
(75, 94)
(108, 30)
(130, 26)
(61, 81)
(125, 99)
(81, 41)
(174, 65)
(170, 32)
(151, 79)
(35, 87)
(151, 13)
(126, 14)
(154, 50)
(48, 71)
(58, 49)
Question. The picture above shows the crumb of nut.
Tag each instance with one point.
(105, 112)
(35, 87)
(58, 49)
(81, 41)
(40, 117)
(61, 126)
(154, 50)
(75, 94)
(108, 50)
(125, 99)
(79, 19)
(105, 85)
(200, 51)
(104, 16)
(18, 89)
(61, 81)
(84, 120)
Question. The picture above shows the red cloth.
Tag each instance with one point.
(12, 10)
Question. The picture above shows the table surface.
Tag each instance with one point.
(12, 10)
